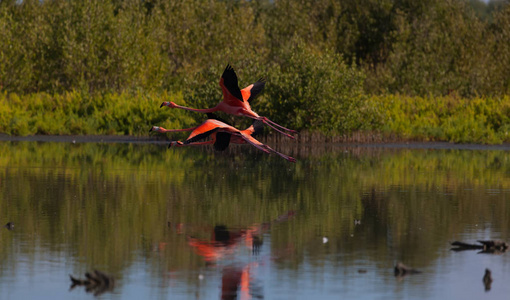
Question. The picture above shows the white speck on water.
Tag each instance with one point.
(324, 240)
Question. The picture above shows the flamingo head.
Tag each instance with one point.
(154, 128)
(169, 104)
(175, 143)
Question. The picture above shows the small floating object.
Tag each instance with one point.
(487, 280)
(200, 277)
(362, 271)
(95, 282)
(9, 226)
(402, 270)
(324, 240)
(357, 222)
(490, 246)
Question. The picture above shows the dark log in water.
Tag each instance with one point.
(96, 282)
(403, 270)
(490, 246)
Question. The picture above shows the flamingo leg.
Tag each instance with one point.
(289, 158)
(270, 124)
(253, 142)
(265, 147)
(280, 126)
(265, 121)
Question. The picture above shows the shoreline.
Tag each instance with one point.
(159, 140)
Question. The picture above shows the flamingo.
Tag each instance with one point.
(220, 140)
(236, 101)
(211, 126)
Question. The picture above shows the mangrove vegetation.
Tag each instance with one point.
(414, 70)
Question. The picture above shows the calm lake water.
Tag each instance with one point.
(194, 224)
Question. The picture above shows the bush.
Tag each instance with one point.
(81, 113)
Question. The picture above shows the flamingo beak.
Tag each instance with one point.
(162, 104)
(169, 145)
(150, 130)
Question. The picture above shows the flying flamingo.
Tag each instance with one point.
(220, 140)
(236, 101)
(211, 126)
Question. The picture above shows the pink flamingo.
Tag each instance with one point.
(212, 126)
(220, 140)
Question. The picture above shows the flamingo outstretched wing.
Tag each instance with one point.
(204, 130)
(256, 128)
(253, 90)
(215, 117)
(230, 87)
(222, 138)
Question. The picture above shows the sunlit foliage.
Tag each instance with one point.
(322, 59)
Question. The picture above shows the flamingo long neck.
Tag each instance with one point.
(163, 130)
(203, 110)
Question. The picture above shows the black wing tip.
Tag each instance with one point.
(231, 83)
(222, 141)
(256, 89)
(229, 70)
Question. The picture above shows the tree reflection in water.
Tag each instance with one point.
(107, 207)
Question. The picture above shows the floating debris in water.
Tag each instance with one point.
(357, 222)
(402, 270)
(9, 226)
(487, 280)
(490, 246)
(324, 240)
(96, 282)
(362, 271)
(200, 277)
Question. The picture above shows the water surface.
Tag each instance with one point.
(190, 223)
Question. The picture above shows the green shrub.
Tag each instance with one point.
(447, 118)
(79, 113)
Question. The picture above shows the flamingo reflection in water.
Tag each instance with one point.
(236, 279)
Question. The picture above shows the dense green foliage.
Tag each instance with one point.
(477, 120)
(77, 113)
(405, 46)
(321, 58)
